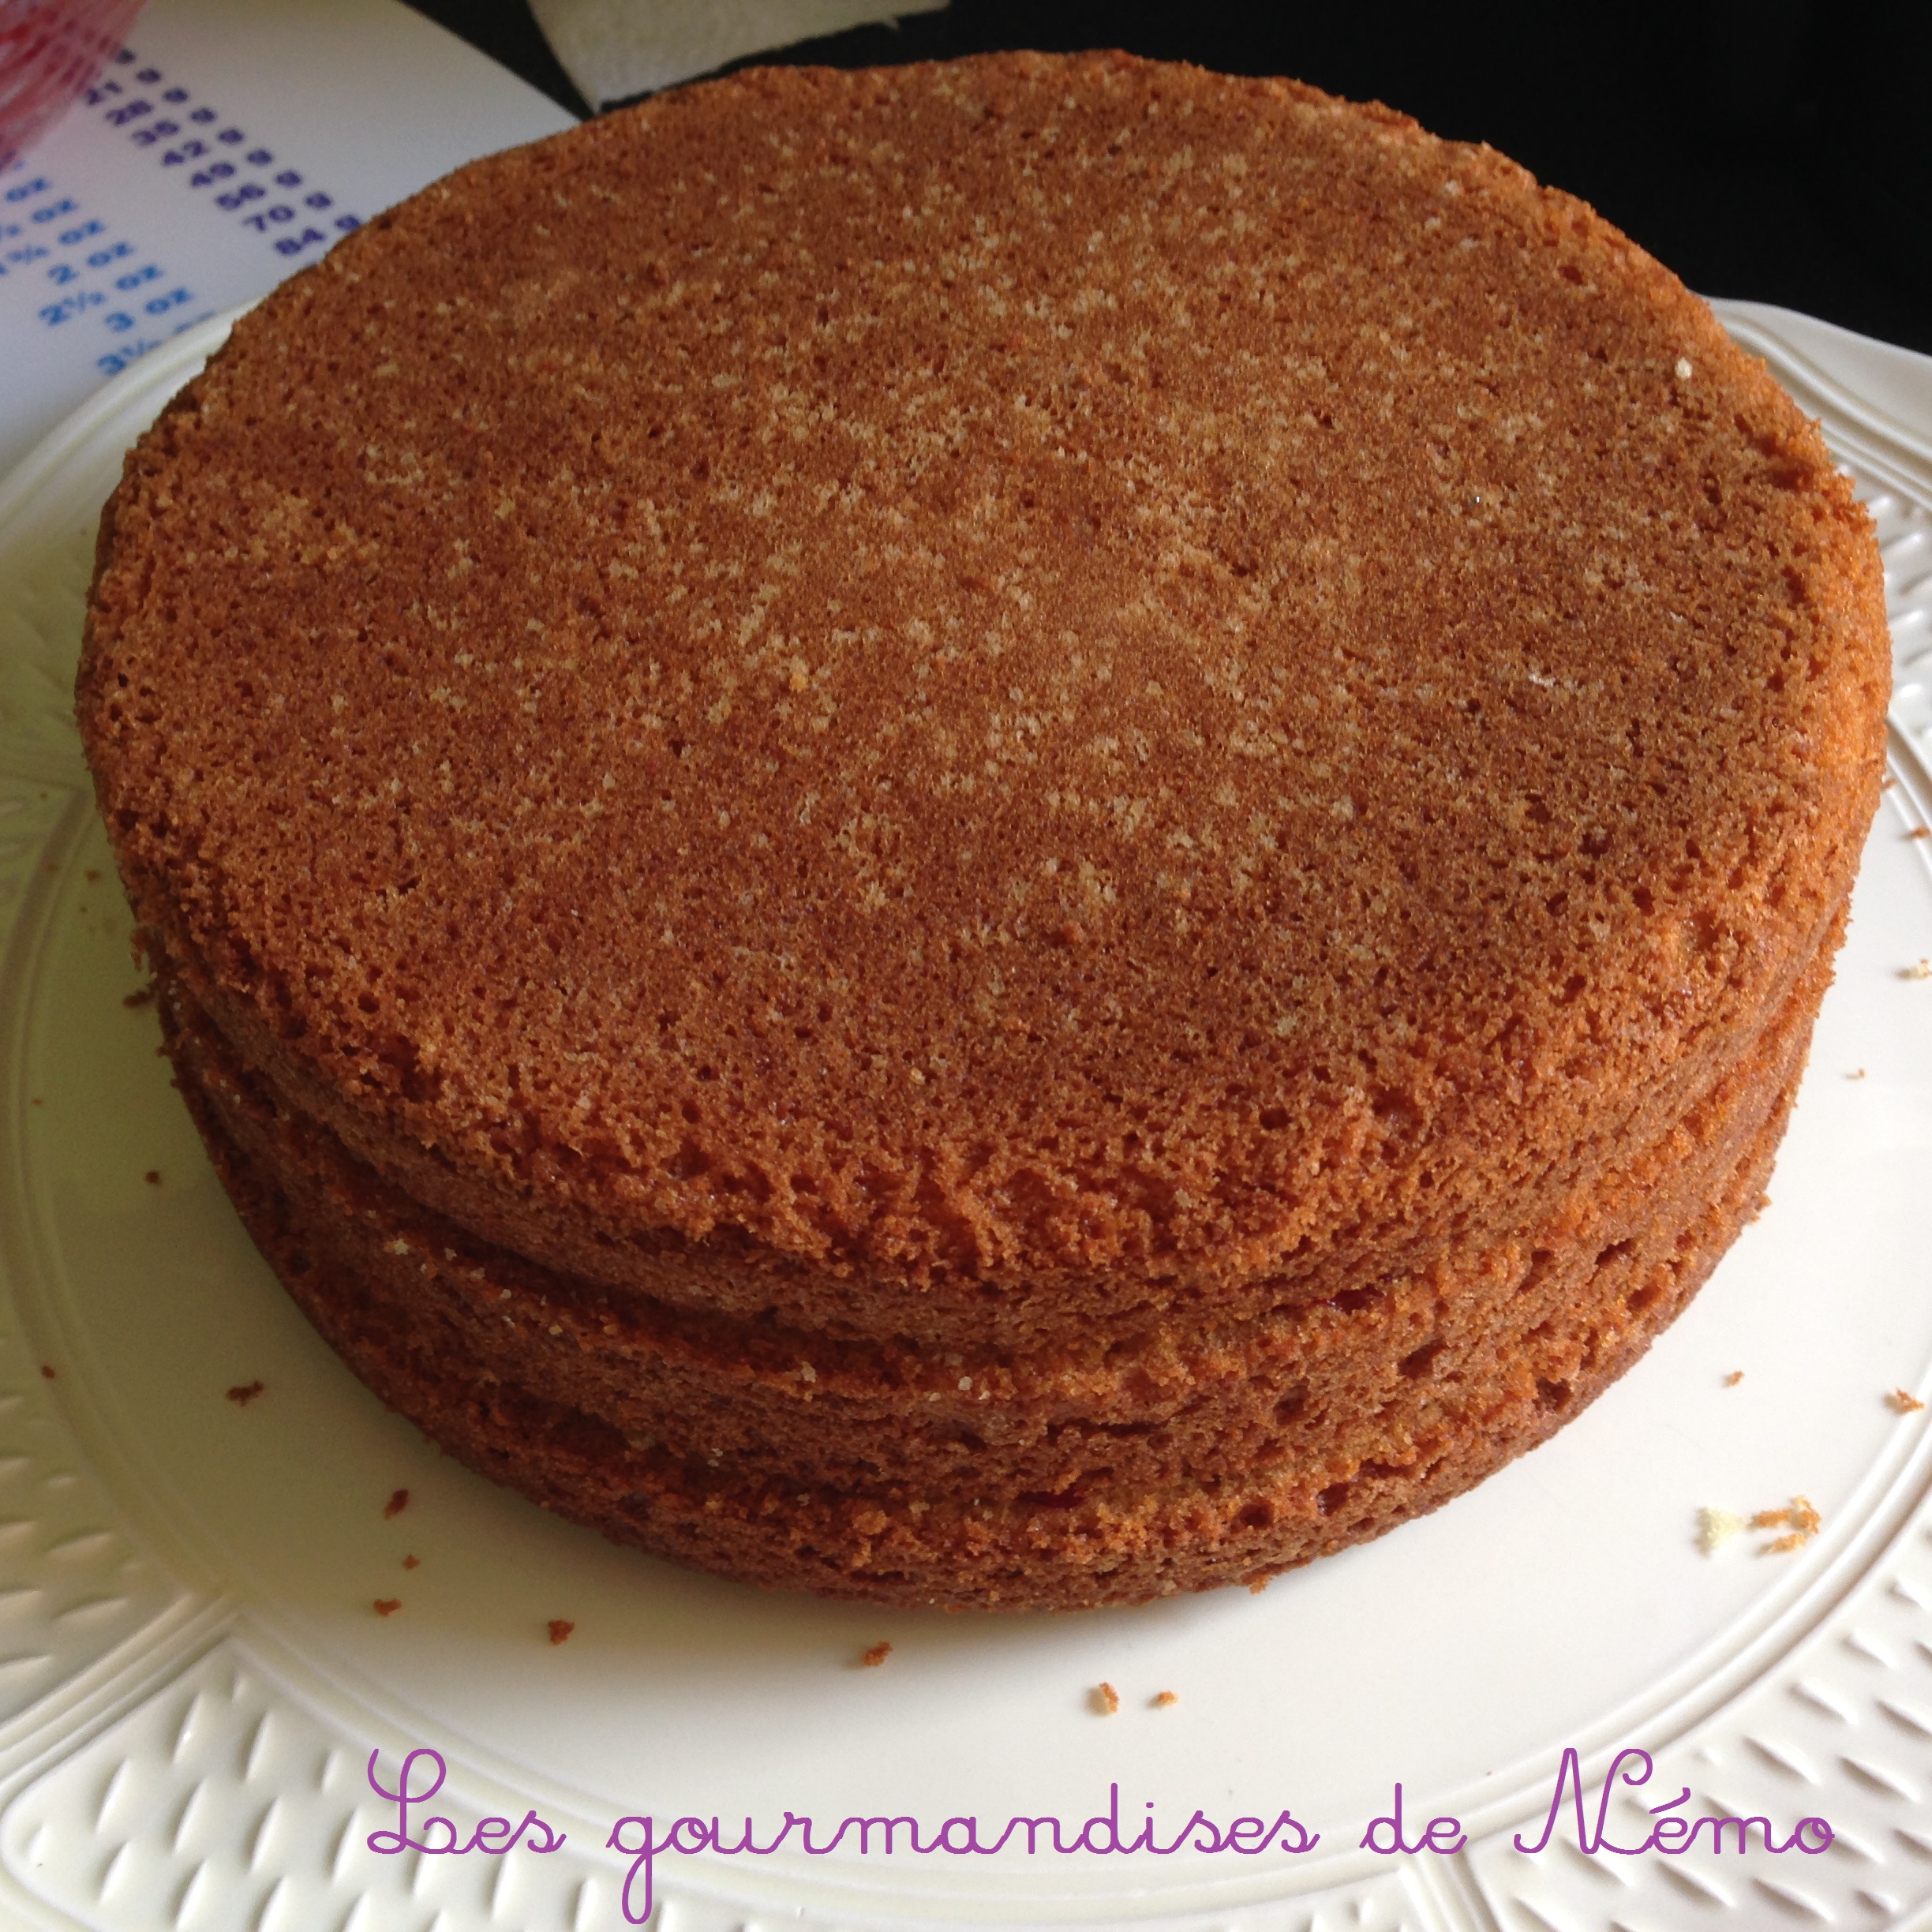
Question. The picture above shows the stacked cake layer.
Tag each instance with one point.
(1022, 834)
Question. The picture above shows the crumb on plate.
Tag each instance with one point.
(388, 1606)
(561, 1628)
(1733, 1378)
(1165, 1698)
(877, 1655)
(243, 1393)
(1105, 1699)
(1716, 1528)
(1902, 1402)
(396, 1505)
(1799, 1518)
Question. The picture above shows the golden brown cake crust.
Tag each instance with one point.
(955, 705)
(1089, 521)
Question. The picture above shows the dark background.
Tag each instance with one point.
(1776, 151)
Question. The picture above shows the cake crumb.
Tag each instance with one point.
(396, 1505)
(153, 1177)
(47, 1370)
(1859, 1075)
(1799, 1518)
(143, 997)
(243, 1393)
(561, 1628)
(1164, 1699)
(877, 1655)
(409, 1563)
(1716, 1528)
(1920, 831)
(91, 875)
(388, 1606)
(1921, 970)
(1733, 1378)
(1105, 1699)
(1902, 1402)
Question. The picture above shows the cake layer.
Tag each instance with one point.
(955, 1535)
(994, 689)
(1019, 833)
(728, 1274)
(1300, 1407)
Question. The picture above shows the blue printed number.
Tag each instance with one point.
(116, 360)
(71, 305)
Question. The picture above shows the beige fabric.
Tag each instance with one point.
(615, 49)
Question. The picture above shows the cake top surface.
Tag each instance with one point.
(990, 667)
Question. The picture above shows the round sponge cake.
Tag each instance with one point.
(1020, 833)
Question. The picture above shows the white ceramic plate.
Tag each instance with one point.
(193, 1674)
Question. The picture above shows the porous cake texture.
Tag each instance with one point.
(1017, 834)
